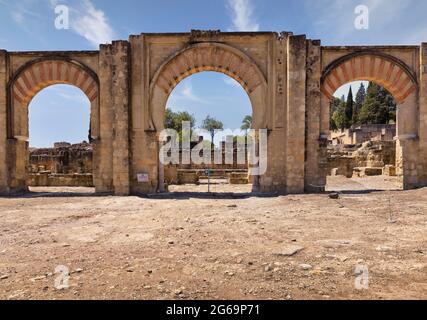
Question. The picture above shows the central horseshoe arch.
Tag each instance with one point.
(202, 57)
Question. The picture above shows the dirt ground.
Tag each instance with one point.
(198, 246)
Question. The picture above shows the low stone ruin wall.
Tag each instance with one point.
(370, 158)
(60, 180)
(174, 175)
(192, 173)
(64, 165)
(360, 133)
(63, 158)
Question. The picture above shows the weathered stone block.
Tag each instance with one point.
(188, 177)
(389, 171)
(238, 178)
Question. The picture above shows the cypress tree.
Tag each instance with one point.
(388, 105)
(349, 109)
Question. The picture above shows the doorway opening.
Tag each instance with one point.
(218, 113)
(60, 153)
(363, 152)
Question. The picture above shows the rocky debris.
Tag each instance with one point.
(268, 267)
(336, 257)
(38, 278)
(333, 243)
(418, 266)
(289, 251)
(420, 250)
(4, 277)
(334, 195)
(179, 292)
(382, 248)
(305, 267)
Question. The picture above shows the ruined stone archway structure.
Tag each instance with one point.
(202, 57)
(288, 78)
(30, 79)
(398, 70)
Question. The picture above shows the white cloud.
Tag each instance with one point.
(54, 3)
(69, 93)
(92, 24)
(242, 15)
(188, 94)
(231, 82)
(24, 17)
(85, 19)
(18, 17)
(335, 18)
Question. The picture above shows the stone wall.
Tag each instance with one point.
(60, 180)
(289, 80)
(346, 159)
(63, 165)
(63, 158)
(361, 133)
(223, 167)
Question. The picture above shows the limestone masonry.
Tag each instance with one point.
(63, 165)
(289, 79)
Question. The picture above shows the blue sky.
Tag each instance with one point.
(29, 25)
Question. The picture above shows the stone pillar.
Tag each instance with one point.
(17, 144)
(422, 156)
(315, 177)
(274, 180)
(105, 140)
(407, 146)
(120, 90)
(295, 162)
(3, 124)
(143, 143)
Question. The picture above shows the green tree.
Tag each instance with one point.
(210, 124)
(360, 100)
(375, 109)
(387, 100)
(174, 120)
(246, 124)
(334, 106)
(349, 109)
(339, 117)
